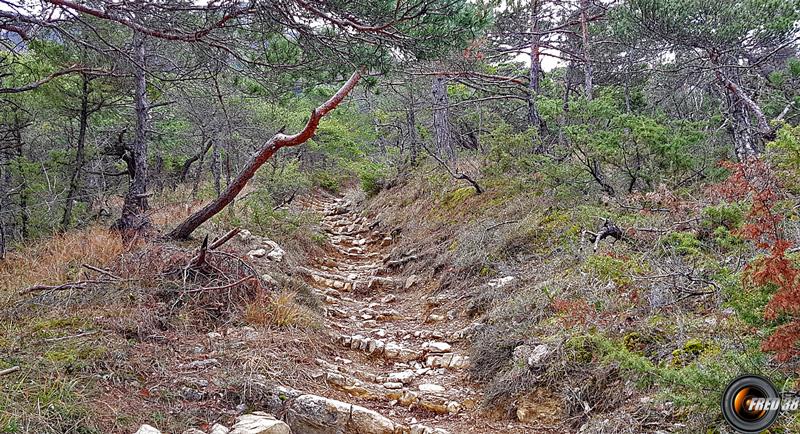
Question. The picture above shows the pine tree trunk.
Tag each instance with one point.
(441, 119)
(75, 179)
(534, 119)
(587, 60)
(134, 219)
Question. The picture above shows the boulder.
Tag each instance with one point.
(219, 429)
(437, 347)
(500, 281)
(276, 254)
(404, 377)
(533, 357)
(147, 429)
(432, 388)
(245, 235)
(269, 280)
(259, 423)
(256, 253)
(311, 414)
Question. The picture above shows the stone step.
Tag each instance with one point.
(427, 396)
(431, 354)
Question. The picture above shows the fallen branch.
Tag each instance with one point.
(609, 229)
(225, 238)
(286, 201)
(217, 288)
(267, 150)
(495, 226)
(63, 338)
(9, 370)
(101, 271)
(81, 284)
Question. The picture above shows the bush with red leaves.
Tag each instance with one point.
(754, 180)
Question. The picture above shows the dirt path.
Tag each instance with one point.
(393, 356)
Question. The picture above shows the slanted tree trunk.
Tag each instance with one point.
(746, 137)
(134, 219)
(266, 152)
(77, 168)
(587, 60)
(441, 119)
(744, 141)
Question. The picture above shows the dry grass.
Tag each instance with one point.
(281, 309)
(58, 259)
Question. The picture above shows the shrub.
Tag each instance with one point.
(684, 243)
(727, 215)
(328, 180)
(611, 268)
(753, 180)
(372, 177)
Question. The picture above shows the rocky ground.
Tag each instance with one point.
(399, 354)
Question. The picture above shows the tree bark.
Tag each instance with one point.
(278, 141)
(534, 119)
(216, 168)
(741, 107)
(23, 188)
(441, 119)
(134, 219)
(75, 179)
(587, 60)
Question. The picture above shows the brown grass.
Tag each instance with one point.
(58, 259)
(281, 309)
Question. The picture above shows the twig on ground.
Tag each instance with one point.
(217, 288)
(609, 229)
(101, 271)
(9, 370)
(81, 284)
(495, 226)
(79, 335)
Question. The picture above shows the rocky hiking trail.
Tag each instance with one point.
(396, 363)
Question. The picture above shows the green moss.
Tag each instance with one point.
(51, 327)
(616, 270)
(691, 351)
(487, 271)
(457, 197)
(73, 355)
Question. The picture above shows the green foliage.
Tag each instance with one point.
(696, 381)
(616, 270)
(727, 215)
(784, 153)
(372, 176)
(683, 243)
(328, 180)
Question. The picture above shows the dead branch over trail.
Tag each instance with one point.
(256, 161)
